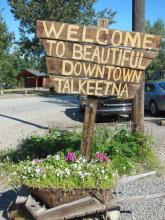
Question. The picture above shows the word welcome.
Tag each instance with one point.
(103, 36)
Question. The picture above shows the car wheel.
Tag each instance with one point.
(153, 108)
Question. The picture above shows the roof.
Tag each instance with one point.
(36, 72)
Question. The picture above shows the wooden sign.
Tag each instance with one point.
(94, 87)
(123, 57)
(96, 61)
(94, 35)
(79, 69)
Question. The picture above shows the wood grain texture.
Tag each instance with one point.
(103, 36)
(123, 57)
(74, 209)
(80, 69)
(90, 114)
(93, 87)
(88, 127)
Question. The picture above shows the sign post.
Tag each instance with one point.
(90, 113)
(95, 61)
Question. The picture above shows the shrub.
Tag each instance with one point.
(127, 150)
(60, 171)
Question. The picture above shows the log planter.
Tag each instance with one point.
(53, 196)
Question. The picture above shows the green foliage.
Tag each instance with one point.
(123, 164)
(158, 28)
(11, 62)
(55, 171)
(27, 12)
(127, 150)
(6, 37)
(41, 146)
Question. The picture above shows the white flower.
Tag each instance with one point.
(103, 171)
(7, 158)
(67, 171)
(82, 175)
(57, 157)
(75, 165)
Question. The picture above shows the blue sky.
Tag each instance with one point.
(154, 9)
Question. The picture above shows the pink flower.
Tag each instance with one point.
(38, 160)
(39, 170)
(102, 157)
(71, 156)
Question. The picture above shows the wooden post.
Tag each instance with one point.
(138, 21)
(90, 114)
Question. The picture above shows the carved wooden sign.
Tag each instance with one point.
(96, 61)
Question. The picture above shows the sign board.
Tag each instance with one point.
(96, 61)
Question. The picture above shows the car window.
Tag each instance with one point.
(149, 87)
(162, 86)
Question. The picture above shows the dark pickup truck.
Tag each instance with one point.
(108, 105)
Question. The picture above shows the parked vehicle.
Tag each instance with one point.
(154, 97)
(108, 105)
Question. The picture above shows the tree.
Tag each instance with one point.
(158, 27)
(6, 37)
(71, 11)
(11, 61)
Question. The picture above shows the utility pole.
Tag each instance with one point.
(138, 25)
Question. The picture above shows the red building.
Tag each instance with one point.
(33, 78)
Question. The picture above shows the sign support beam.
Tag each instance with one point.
(90, 113)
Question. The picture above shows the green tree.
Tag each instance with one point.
(71, 11)
(6, 37)
(6, 40)
(11, 61)
(158, 28)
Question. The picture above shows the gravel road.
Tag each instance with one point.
(148, 209)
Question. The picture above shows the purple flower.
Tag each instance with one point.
(71, 156)
(102, 157)
(38, 161)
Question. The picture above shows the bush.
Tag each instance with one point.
(127, 150)
(63, 172)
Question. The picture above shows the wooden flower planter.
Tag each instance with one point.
(53, 196)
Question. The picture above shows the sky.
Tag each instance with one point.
(154, 9)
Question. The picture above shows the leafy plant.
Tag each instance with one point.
(128, 151)
(66, 172)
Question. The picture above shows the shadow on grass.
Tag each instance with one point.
(41, 146)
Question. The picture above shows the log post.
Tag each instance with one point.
(90, 114)
(138, 20)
